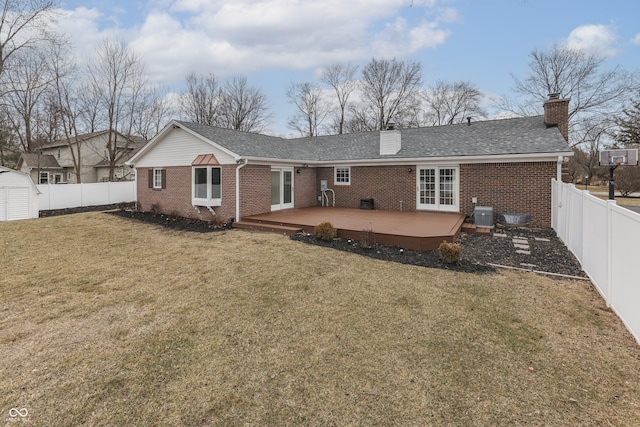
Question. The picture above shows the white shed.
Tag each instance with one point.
(18, 196)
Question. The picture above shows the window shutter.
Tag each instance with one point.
(150, 178)
(164, 178)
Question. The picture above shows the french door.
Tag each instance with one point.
(281, 188)
(438, 188)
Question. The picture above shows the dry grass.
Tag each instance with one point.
(111, 322)
(603, 193)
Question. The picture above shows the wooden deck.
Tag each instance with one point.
(410, 230)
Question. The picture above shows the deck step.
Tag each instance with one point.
(484, 231)
(470, 228)
(271, 228)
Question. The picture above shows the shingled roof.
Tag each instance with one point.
(515, 136)
(42, 161)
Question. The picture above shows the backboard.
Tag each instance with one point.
(619, 157)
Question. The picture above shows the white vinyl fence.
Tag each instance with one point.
(62, 196)
(606, 240)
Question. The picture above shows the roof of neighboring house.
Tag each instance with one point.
(136, 140)
(42, 161)
(504, 137)
(125, 156)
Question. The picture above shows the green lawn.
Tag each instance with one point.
(109, 322)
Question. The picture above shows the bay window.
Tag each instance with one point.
(207, 186)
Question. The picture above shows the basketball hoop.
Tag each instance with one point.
(619, 157)
(615, 158)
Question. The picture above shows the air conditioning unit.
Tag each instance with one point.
(483, 216)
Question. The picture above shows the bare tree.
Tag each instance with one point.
(311, 109)
(200, 100)
(26, 83)
(388, 87)
(118, 80)
(596, 94)
(449, 103)
(154, 112)
(341, 79)
(628, 180)
(587, 154)
(23, 25)
(243, 107)
(65, 97)
(89, 97)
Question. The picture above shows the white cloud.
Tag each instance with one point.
(595, 39)
(636, 39)
(260, 39)
(243, 36)
(82, 26)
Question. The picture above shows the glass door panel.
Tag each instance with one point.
(281, 188)
(438, 188)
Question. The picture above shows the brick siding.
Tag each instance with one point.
(175, 199)
(386, 185)
(255, 184)
(509, 187)
(306, 187)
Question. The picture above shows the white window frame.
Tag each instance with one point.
(455, 189)
(157, 178)
(57, 178)
(41, 174)
(281, 204)
(209, 200)
(338, 179)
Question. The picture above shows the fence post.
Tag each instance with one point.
(610, 278)
(554, 204)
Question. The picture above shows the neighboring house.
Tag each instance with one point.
(200, 171)
(53, 164)
(18, 195)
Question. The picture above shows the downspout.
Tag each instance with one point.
(242, 163)
(559, 169)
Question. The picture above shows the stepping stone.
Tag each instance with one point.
(499, 235)
(524, 264)
(520, 241)
(526, 247)
(520, 251)
(542, 239)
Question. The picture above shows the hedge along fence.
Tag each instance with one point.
(62, 196)
(605, 238)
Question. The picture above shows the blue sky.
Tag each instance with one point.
(275, 42)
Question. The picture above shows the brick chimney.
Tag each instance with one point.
(556, 113)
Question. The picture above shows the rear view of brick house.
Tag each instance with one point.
(212, 173)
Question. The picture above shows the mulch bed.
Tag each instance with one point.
(480, 254)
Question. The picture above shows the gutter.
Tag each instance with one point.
(400, 161)
(241, 163)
